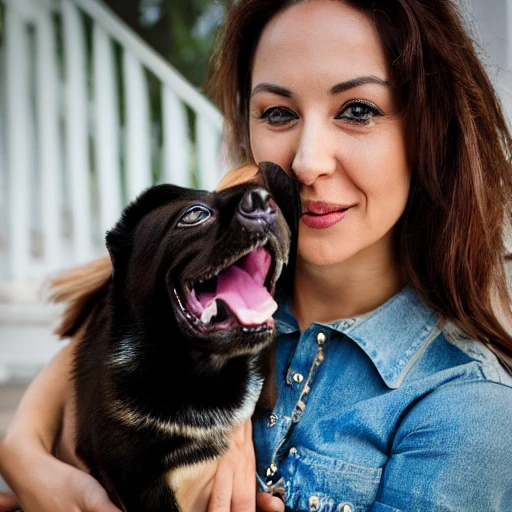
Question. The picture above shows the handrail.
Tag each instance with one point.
(151, 59)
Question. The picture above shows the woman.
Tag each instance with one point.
(392, 350)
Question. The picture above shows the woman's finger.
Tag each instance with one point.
(268, 503)
(220, 499)
(244, 478)
(99, 504)
(234, 489)
(8, 502)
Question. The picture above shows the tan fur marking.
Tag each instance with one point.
(238, 176)
(134, 419)
(184, 482)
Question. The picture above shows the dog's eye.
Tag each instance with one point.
(194, 216)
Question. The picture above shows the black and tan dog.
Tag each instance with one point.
(176, 345)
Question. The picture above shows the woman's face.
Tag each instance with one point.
(322, 107)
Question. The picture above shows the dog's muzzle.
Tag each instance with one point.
(238, 293)
(257, 208)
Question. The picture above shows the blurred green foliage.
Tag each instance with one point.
(180, 30)
(183, 32)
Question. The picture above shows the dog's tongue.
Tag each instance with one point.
(242, 288)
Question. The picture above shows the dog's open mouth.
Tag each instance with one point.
(238, 295)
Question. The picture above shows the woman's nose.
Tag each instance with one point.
(315, 154)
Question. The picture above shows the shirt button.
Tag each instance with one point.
(320, 338)
(272, 420)
(298, 378)
(344, 507)
(293, 450)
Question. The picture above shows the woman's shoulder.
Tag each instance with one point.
(463, 359)
(490, 365)
(437, 352)
(471, 395)
(460, 429)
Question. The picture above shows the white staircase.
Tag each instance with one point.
(78, 140)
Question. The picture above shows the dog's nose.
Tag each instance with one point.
(258, 205)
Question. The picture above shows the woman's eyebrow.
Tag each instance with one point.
(356, 82)
(336, 89)
(274, 89)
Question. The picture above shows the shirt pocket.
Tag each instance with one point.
(320, 483)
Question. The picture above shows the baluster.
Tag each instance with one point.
(19, 144)
(106, 141)
(77, 163)
(176, 142)
(208, 159)
(3, 167)
(49, 140)
(137, 128)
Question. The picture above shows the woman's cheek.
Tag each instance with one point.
(269, 146)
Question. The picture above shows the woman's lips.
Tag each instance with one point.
(318, 215)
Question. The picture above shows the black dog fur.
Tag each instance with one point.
(155, 389)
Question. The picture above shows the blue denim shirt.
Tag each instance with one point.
(383, 413)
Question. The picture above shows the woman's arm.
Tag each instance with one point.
(453, 452)
(41, 481)
(39, 415)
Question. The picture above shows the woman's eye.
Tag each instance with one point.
(194, 216)
(278, 115)
(359, 112)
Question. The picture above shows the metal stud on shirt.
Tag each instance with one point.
(298, 378)
(271, 470)
(314, 503)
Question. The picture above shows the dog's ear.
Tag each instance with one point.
(80, 289)
(285, 191)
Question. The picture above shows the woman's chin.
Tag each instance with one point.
(324, 256)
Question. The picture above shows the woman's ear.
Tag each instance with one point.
(238, 176)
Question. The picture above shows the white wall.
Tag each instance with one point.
(491, 24)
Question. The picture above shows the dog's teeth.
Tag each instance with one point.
(209, 312)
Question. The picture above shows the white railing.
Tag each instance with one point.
(79, 138)
(71, 155)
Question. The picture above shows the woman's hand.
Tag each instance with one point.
(227, 484)
(42, 482)
(267, 503)
(45, 484)
(8, 502)
(234, 486)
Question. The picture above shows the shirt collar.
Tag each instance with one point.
(393, 336)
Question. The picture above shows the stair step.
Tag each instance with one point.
(26, 339)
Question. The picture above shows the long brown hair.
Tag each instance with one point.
(451, 235)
